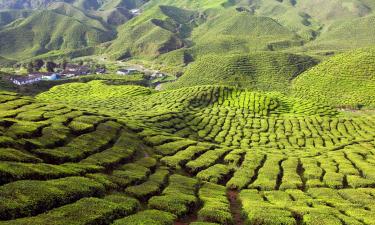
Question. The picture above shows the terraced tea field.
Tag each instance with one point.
(92, 153)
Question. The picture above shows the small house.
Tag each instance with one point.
(67, 73)
(46, 75)
(100, 71)
(129, 71)
(157, 75)
(135, 12)
(77, 69)
(22, 80)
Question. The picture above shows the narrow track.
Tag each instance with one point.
(235, 207)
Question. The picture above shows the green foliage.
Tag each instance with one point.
(178, 197)
(294, 161)
(265, 71)
(11, 171)
(148, 217)
(84, 211)
(151, 187)
(344, 80)
(215, 204)
(50, 31)
(25, 198)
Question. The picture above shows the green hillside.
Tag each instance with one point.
(128, 4)
(233, 31)
(243, 112)
(126, 154)
(45, 31)
(159, 30)
(265, 71)
(5, 61)
(85, 18)
(350, 34)
(8, 16)
(209, 27)
(174, 27)
(343, 80)
(114, 17)
(81, 4)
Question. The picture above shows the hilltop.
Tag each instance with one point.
(162, 29)
(177, 112)
(267, 71)
(47, 31)
(343, 80)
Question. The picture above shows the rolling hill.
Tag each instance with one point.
(81, 4)
(343, 80)
(210, 27)
(267, 71)
(83, 153)
(8, 16)
(45, 31)
(262, 45)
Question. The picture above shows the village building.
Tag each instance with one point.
(129, 71)
(76, 69)
(67, 74)
(157, 75)
(135, 12)
(22, 80)
(46, 75)
(100, 71)
(34, 77)
(72, 70)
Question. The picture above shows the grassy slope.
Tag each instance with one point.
(5, 61)
(8, 16)
(71, 11)
(344, 80)
(239, 32)
(208, 31)
(45, 31)
(249, 141)
(347, 35)
(261, 71)
(155, 32)
(135, 100)
(128, 4)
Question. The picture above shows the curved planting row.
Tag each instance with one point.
(201, 156)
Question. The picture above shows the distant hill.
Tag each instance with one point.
(169, 29)
(350, 34)
(82, 4)
(7, 17)
(24, 4)
(266, 71)
(48, 30)
(5, 61)
(344, 80)
(164, 29)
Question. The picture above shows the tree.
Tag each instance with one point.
(30, 67)
(38, 64)
(51, 66)
(63, 64)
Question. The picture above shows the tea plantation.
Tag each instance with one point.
(93, 153)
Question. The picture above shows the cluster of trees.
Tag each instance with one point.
(36, 65)
(51, 66)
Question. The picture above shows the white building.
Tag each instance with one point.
(157, 75)
(135, 12)
(126, 71)
(22, 80)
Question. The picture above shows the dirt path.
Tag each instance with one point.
(235, 207)
(187, 219)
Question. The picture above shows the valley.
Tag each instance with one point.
(210, 112)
